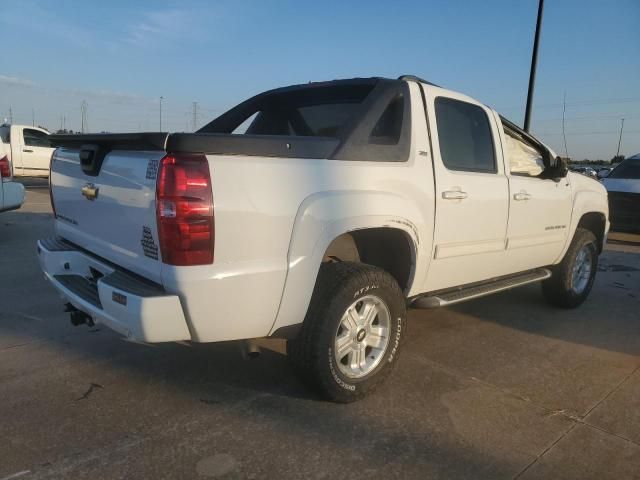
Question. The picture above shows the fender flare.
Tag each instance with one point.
(584, 202)
(321, 218)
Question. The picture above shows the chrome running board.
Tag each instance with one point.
(462, 294)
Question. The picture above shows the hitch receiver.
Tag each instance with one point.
(78, 317)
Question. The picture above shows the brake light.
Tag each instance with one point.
(53, 205)
(5, 169)
(184, 210)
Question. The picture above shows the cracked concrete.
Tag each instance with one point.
(502, 387)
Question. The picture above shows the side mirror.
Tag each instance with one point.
(558, 167)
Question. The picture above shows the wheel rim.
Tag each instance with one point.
(582, 270)
(362, 336)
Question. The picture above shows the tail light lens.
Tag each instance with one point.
(5, 169)
(184, 209)
(53, 205)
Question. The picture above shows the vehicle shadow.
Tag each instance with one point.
(608, 319)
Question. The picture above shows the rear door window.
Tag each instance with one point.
(464, 134)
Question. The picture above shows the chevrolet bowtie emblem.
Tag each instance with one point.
(90, 191)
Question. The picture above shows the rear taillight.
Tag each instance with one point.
(5, 169)
(53, 205)
(184, 209)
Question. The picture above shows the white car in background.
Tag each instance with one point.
(11, 193)
(28, 149)
(587, 171)
(623, 187)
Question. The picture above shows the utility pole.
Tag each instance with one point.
(620, 139)
(534, 64)
(33, 117)
(195, 115)
(564, 109)
(161, 98)
(10, 115)
(83, 111)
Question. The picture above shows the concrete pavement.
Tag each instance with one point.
(502, 387)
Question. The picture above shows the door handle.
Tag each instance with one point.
(454, 195)
(521, 195)
(27, 150)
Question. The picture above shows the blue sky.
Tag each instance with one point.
(121, 56)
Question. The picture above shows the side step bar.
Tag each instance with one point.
(462, 294)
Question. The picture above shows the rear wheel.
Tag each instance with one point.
(351, 335)
(573, 278)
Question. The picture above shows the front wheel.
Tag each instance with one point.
(351, 335)
(573, 277)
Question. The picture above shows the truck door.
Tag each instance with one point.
(36, 151)
(540, 208)
(472, 192)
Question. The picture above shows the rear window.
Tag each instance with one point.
(313, 111)
(627, 169)
(326, 119)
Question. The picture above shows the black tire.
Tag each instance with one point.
(559, 289)
(339, 286)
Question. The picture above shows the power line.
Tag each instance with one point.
(610, 132)
(576, 103)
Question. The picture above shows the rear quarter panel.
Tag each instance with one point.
(274, 219)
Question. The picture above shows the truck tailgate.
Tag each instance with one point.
(113, 214)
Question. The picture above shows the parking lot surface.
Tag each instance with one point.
(501, 387)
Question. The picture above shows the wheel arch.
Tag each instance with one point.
(389, 248)
(596, 223)
(590, 210)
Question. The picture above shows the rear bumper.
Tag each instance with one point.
(140, 310)
(13, 196)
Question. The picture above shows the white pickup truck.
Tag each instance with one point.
(341, 204)
(28, 149)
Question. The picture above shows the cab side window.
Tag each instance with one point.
(36, 138)
(524, 160)
(464, 134)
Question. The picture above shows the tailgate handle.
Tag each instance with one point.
(90, 191)
(91, 157)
